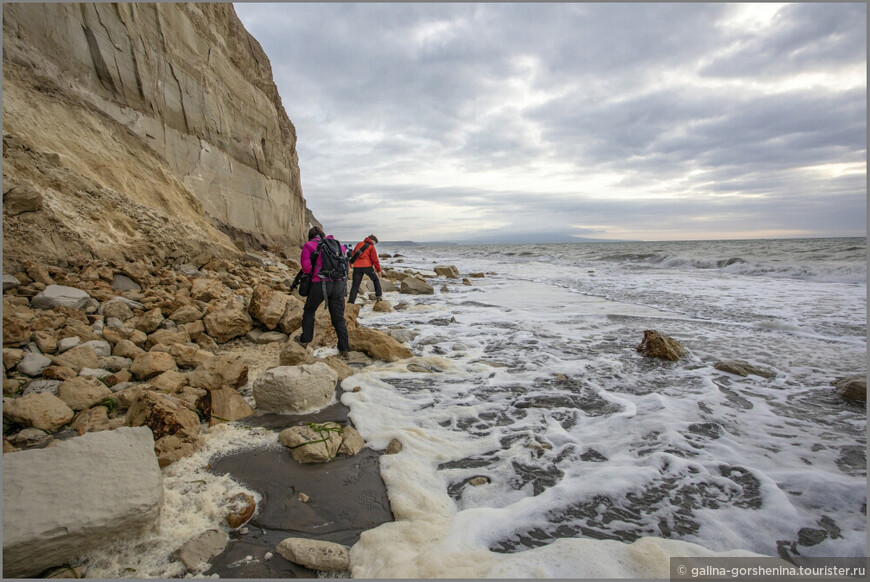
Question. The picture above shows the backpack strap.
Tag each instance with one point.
(356, 255)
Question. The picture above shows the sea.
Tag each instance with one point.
(538, 442)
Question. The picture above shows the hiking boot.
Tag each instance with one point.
(298, 340)
(344, 356)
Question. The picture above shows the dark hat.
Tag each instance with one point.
(373, 238)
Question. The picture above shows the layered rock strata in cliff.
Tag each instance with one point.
(138, 128)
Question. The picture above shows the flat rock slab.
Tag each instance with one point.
(64, 501)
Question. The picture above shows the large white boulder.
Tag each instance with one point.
(295, 389)
(61, 295)
(63, 501)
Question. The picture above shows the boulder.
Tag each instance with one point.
(150, 321)
(447, 271)
(98, 373)
(415, 286)
(117, 309)
(170, 382)
(186, 314)
(39, 274)
(166, 337)
(77, 358)
(68, 343)
(852, 387)
(61, 295)
(119, 377)
(294, 354)
(378, 345)
(127, 349)
(267, 306)
(16, 332)
(43, 386)
(101, 347)
(232, 320)
(207, 290)
(173, 447)
(187, 356)
(312, 443)
(228, 405)
(341, 368)
(657, 345)
(163, 414)
(60, 373)
(292, 318)
(30, 437)
(33, 364)
(220, 371)
(106, 484)
(315, 554)
(46, 341)
(94, 420)
(82, 392)
(11, 357)
(39, 410)
(295, 389)
(150, 364)
(741, 368)
(197, 552)
(351, 441)
(10, 282)
(268, 337)
(122, 282)
(382, 306)
(194, 329)
(395, 447)
(241, 508)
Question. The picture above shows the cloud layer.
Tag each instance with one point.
(640, 121)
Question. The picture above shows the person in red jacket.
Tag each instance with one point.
(366, 263)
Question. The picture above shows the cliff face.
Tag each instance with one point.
(137, 129)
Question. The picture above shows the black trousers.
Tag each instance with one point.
(358, 273)
(335, 292)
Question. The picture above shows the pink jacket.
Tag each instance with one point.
(307, 250)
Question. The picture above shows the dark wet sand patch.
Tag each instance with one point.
(346, 497)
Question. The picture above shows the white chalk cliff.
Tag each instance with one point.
(144, 129)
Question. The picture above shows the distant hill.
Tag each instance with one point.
(505, 239)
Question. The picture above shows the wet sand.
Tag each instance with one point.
(346, 497)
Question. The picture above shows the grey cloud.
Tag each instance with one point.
(804, 35)
(373, 106)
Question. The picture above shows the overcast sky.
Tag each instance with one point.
(610, 121)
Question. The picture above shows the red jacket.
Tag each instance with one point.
(369, 257)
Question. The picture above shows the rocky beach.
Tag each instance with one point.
(106, 349)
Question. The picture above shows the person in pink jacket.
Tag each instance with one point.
(335, 293)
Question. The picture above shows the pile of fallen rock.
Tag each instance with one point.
(106, 347)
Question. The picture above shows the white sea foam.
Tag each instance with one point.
(579, 437)
(194, 501)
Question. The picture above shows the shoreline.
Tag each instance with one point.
(153, 297)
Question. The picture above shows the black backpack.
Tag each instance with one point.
(335, 266)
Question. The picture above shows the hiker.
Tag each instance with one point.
(331, 289)
(365, 262)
